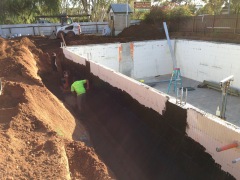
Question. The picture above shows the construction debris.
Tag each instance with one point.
(216, 86)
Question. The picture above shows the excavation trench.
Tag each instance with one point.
(136, 142)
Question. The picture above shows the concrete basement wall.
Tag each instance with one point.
(198, 60)
(139, 91)
(207, 130)
(211, 132)
(106, 54)
(149, 58)
(210, 61)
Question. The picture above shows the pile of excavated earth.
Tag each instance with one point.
(41, 134)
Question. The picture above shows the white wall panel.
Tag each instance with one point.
(151, 58)
(144, 94)
(106, 54)
(74, 57)
(195, 63)
(210, 61)
(211, 133)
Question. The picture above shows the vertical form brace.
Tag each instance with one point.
(170, 45)
(225, 84)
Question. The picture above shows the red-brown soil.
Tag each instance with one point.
(41, 137)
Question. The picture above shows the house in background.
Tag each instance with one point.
(119, 17)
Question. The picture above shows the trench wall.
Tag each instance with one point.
(209, 131)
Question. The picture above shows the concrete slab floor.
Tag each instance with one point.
(203, 98)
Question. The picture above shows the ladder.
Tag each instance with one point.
(175, 79)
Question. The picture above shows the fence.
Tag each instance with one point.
(47, 29)
(207, 23)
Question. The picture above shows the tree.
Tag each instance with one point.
(207, 9)
(99, 9)
(184, 2)
(181, 11)
(213, 6)
(24, 11)
(235, 6)
(168, 11)
(96, 8)
(3, 11)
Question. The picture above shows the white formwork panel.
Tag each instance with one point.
(151, 58)
(144, 94)
(209, 131)
(200, 60)
(212, 132)
(74, 57)
(105, 54)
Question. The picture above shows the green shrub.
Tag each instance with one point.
(168, 11)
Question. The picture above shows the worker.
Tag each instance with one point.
(65, 82)
(54, 62)
(66, 20)
(78, 88)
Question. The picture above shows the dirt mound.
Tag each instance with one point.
(37, 132)
(132, 33)
(93, 39)
(143, 31)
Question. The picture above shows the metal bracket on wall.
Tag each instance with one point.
(181, 99)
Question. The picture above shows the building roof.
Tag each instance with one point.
(120, 8)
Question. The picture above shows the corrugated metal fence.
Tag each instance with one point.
(47, 29)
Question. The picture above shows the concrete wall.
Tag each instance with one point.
(198, 60)
(209, 131)
(211, 61)
(145, 95)
(150, 58)
(106, 54)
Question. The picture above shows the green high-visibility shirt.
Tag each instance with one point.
(78, 87)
